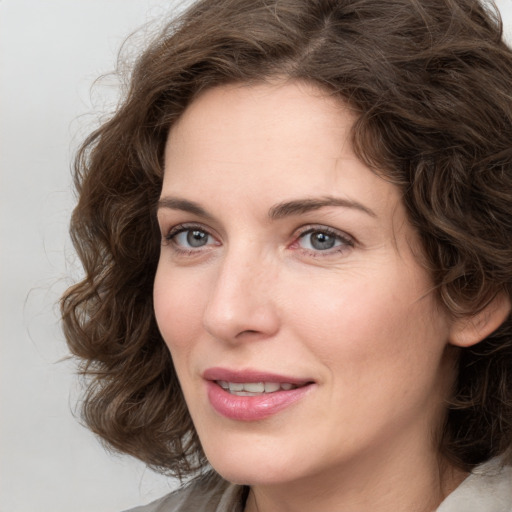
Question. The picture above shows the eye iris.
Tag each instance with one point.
(196, 238)
(322, 241)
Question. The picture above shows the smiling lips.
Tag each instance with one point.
(254, 388)
(252, 396)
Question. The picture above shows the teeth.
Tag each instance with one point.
(254, 388)
(270, 387)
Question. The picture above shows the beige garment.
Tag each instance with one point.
(487, 489)
(209, 493)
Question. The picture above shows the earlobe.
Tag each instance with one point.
(470, 330)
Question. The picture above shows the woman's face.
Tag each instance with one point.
(301, 325)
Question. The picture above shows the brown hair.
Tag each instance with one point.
(431, 83)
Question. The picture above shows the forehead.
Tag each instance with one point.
(269, 143)
(274, 99)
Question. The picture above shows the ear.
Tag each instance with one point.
(470, 330)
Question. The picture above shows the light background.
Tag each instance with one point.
(51, 51)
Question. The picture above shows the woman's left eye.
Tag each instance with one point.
(321, 239)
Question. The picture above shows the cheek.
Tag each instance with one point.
(179, 303)
(372, 321)
(382, 352)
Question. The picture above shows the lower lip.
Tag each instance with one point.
(252, 408)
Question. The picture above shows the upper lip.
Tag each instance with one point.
(250, 375)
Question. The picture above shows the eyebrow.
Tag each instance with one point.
(300, 206)
(176, 203)
(279, 211)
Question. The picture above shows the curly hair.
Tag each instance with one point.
(431, 84)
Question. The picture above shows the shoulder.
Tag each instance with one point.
(487, 489)
(207, 493)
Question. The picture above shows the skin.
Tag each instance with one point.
(358, 319)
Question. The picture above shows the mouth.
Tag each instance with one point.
(252, 395)
(255, 388)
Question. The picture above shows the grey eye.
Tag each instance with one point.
(192, 238)
(322, 241)
(319, 240)
(196, 238)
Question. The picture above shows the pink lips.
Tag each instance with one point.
(251, 408)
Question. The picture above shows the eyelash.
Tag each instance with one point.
(170, 238)
(346, 241)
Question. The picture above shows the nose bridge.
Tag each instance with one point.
(241, 298)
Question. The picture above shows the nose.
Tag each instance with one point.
(241, 304)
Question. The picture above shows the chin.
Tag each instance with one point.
(257, 474)
(251, 463)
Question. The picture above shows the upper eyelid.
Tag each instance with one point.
(168, 220)
(321, 227)
(184, 226)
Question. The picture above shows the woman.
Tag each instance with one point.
(296, 235)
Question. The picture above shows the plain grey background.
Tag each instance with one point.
(51, 52)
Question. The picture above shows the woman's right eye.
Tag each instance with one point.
(190, 238)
